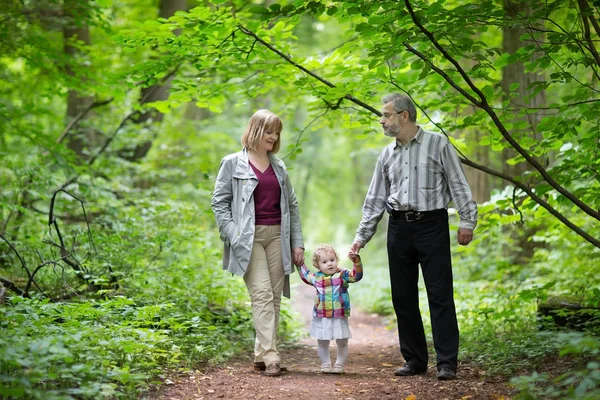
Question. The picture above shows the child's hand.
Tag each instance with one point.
(354, 257)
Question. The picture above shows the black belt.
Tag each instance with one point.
(411, 215)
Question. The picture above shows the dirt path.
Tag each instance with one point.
(374, 356)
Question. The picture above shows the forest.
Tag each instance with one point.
(115, 114)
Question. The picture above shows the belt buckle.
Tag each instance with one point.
(412, 216)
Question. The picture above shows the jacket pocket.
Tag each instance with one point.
(227, 234)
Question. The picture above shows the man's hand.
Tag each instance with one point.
(298, 256)
(355, 249)
(354, 257)
(464, 236)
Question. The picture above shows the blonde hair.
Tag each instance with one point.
(259, 122)
(323, 249)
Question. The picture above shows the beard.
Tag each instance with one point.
(389, 133)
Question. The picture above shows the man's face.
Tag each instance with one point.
(391, 120)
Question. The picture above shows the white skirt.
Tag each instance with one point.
(330, 328)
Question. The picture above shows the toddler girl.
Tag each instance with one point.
(332, 304)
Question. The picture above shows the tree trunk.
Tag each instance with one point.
(158, 92)
(568, 314)
(519, 101)
(515, 74)
(479, 181)
(80, 139)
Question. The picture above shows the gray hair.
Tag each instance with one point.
(401, 103)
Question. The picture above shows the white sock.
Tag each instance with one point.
(323, 352)
(342, 351)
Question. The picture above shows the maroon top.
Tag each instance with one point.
(267, 196)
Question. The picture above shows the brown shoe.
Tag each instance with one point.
(273, 369)
(261, 366)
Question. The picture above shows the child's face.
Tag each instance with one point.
(328, 263)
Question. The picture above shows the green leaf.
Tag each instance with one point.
(373, 63)
(287, 9)
(417, 65)
(362, 27)
(259, 10)
(215, 108)
(488, 91)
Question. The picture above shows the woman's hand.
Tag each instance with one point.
(298, 256)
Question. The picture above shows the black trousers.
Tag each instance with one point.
(425, 242)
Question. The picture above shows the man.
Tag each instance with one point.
(415, 179)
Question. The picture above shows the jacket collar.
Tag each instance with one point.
(242, 168)
(244, 171)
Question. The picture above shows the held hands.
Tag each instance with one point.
(354, 257)
(464, 236)
(298, 256)
(354, 250)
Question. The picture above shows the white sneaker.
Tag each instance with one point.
(338, 369)
(326, 368)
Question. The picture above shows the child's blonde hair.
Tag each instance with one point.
(323, 249)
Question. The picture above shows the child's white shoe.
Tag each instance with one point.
(337, 369)
(326, 368)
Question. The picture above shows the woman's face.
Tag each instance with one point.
(269, 139)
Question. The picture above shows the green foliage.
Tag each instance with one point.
(149, 293)
(107, 348)
(496, 302)
(581, 382)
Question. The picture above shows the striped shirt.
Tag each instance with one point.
(423, 175)
(332, 299)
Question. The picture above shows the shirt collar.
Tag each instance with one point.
(418, 138)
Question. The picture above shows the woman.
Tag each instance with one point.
(259, 222)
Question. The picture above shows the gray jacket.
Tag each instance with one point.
(233, 206)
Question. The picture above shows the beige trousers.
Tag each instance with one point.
(264, 279)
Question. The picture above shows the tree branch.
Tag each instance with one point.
(65, 255)
(446, 55)
(300, 67)
(593, 20)
(302, 132)
(21, 260)
(443, 74)
(441, 128)
(537, 199)
(483, 104)
(80, 116)
(516, 184)
(585, 14)
(10, 285)
(579, 45)
(17, 194)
